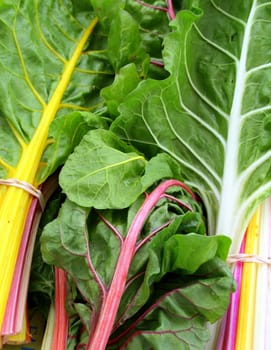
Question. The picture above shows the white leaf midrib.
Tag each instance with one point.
(230, 186)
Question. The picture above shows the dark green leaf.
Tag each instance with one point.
(125, 81)
(65, 134)
(121, 49)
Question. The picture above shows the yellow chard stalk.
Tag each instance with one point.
(246, 316)
(15, 202)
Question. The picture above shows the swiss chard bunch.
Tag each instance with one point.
(54, 60)
(142, 272)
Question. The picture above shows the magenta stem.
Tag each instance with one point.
(16, 298)
(157, 63)
(227, 336)
(159, 8)
(60, 335)
(170, 10)
(18, 293)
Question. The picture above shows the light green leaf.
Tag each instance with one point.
(103, 172)
(160, 167)
(106, 173)
(189, 252)
(125, 81)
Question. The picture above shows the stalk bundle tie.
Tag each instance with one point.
(35, 192)
(251, 258)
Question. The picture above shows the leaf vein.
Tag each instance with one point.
(114, 165)
(258, 68)
(236, 19)
(255, 111)
(198, 119)
(202, 96)
(25, 72)
(191, 150)
(219, 48)
(181, 160)
(44, 40)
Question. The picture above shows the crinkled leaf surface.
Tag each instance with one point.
(123, 20)
(64, 243)
(213, 113)
(176, 318)
(38, 40)
(163, 280)
(173, 250)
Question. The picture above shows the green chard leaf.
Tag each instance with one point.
(38, 42)
(65, 134)
(130, 58)
(121, 49)
(126, 80)
(179, 272)
(106, 10)
(212, 113)
(106, 173)
(176, 316)
(175, 250)
(109, 176)
(153, 24)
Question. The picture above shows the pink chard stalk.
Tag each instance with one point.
(60, 335)
(169, 9)
(15, 311)
(112, 297)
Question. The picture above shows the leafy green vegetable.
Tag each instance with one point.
(111, 173)
(133, 259)
(153, 25)
(47, 69)
(114, 175)
(173, 263)
(128, 276)
(31, 76)
(177, 319)
(121, 49)
(65, 133)
(212, 113)
(126, 80)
